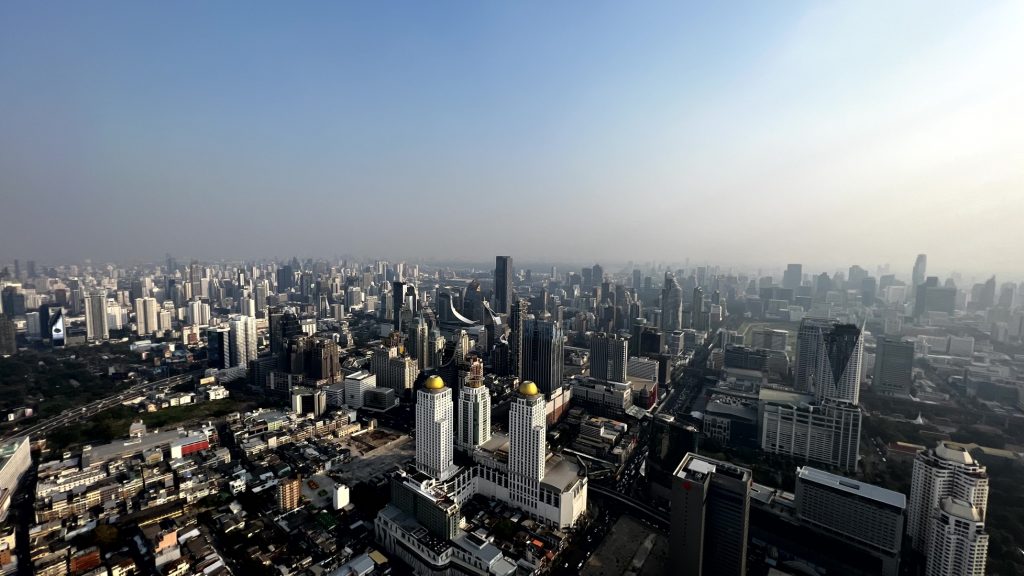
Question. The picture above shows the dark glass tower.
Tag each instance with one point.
(502, 284)
(542, 354)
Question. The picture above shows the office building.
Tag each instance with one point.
(945, 471)
(96, 324)
(827, 433)
(503, 273)
(517, 334)
(793, 276)
(671, 304)
(527, 444)
(930, 297)
(434, 429)
(474, 411)
(15, 461)
(218, 347)
(394, 371)
(920, 269)
(839, 364)
(356, 386)
(242, 338)
(710, 517)
(543, 343)
(769, 339)
(855, 512)
(307, 400)
(958, 544)
(609, 355)
(894, 365)
(809, 340)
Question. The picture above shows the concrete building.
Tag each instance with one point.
(527, 443)
(394, 370)
(96, 322)
(289, 491)
(609, 354)
(769, 339)
(474, 414)
(958, 543)
(542, 356)
(827, 433)
(710, 517)
(242, 340)
(855, 512)
(894, 366)
(434, 430)
(356, 386)
(15, 460)
(946, 471)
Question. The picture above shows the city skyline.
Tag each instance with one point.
(698, 130)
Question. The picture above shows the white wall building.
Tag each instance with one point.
(943, 472)
(356, 385)
(435, 441)
(474, 415)
(958, 545)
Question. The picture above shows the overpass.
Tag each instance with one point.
(657, 517)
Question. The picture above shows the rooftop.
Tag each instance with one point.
(854, 487)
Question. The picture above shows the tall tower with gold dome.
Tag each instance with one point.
(527, 427)
(434, 440)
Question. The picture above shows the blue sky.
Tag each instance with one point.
(848, 132)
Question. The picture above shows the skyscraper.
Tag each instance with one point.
(809, 340)
(609, 356)
(96, 326)
(840, 364)
(943, 472)
(710, 517)
(503, 272)
(527, 427)
(146, 321)
(793, 276)
(8, 335)
(434, 438)
(920, 270)
(958, 545)
(517, 330)
(894, 365)
(671, 304)
(543, 344)
(474, 410)
(242, 339)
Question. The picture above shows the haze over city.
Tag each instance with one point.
(748, 135)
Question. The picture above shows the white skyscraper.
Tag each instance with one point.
(435, 442)
(96, 325)
(527, 427)
(145, 316)
(474, 411)
(959, 544)
(242, 340)
(944, 472)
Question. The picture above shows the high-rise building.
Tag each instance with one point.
(474, 410)
(218, 347)
(793, 276)
(894, 365)
(434, 434)
(96, 326)
(958, 545)
(920, 270)
(609, 356)
(543, 345)
(357, 385)
(146, 319)
(710, 517)
(289, 491)
(527, 428)
(865, 515)
(8, 336)
(242, 339)
(503, 273)
(946, 471)
(517, 333)
(671, 304)
(840, 364)
(828, 433)
(930, 297)
(809, 341)
(393, 370)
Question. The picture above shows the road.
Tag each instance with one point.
(95, 407)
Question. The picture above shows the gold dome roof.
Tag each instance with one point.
(529, 389)
(434, 383)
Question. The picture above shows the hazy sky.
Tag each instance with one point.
(765, 132)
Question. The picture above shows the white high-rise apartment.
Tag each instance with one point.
(356, 386)
(958, 544)
(96, 325)
(242, 339)
(435, 442)
(198, 313)
(145, 316)
(943, 472)
(527, 427)
(474, 413)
